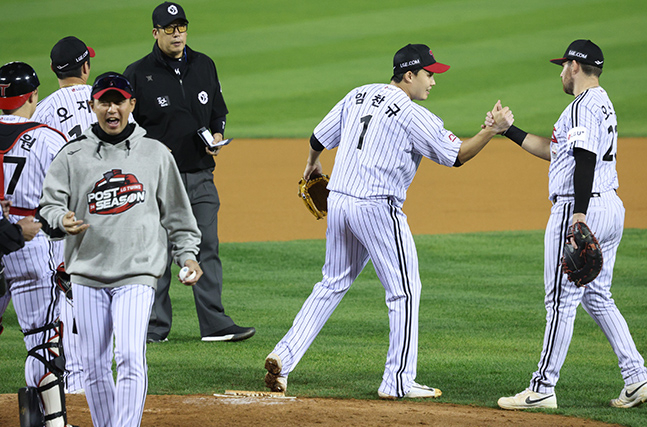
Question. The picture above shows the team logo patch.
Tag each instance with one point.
(203, 97)
(3, 87)
(163, 101)
(115, 193)
(172, 9)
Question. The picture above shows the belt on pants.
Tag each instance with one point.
(554, 198)
(22, 211)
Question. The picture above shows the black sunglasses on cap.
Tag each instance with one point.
(112, 81)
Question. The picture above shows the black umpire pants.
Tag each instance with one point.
(207, 293)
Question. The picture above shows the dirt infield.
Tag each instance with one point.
(501, 189)
(207, 411)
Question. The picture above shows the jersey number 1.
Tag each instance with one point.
(365, 121)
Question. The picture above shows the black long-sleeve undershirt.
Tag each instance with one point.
(583, 178)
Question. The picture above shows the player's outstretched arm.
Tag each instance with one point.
(537, 146)
(534, 144)
(501, 119)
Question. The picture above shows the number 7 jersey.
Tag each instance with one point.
(589, 123)
(26, 152)
(382, 135)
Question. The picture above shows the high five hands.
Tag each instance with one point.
(499, 119)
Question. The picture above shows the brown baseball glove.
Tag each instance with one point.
(581, 264)
(314, 194)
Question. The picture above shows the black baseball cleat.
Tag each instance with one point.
(232, 333)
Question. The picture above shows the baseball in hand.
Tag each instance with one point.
(183, 273)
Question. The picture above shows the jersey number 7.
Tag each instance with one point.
(20, 165)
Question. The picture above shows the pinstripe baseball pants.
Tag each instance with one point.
(359, 229)
(605, 217)
(35, 304)
(121, 315)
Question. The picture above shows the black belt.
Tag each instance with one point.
(573, 195)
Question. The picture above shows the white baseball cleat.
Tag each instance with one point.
(418, 391)
(273, 379)
(528, 399)
(631, 395)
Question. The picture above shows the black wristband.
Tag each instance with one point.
(515, 134)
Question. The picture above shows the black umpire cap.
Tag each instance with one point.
(17, 81)
(166, 13)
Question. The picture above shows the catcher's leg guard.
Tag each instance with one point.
(51, 388)
(29, 408)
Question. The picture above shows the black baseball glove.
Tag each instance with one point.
(63, 281)
(581, 264)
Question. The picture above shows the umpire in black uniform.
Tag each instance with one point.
(178, 93)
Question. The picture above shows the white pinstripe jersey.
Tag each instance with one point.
(24, 167)
(382, 136)
(67, 110)
(590, 123)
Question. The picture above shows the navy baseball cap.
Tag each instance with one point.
(17, 81)
(584, 52)
(415, 56)
(70, 53)
(166, 13)
(112, 81)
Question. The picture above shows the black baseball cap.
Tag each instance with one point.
(166, 13)
(17, 81)
(582, 51)
(112, 81)
(70, 53)
(415, 56)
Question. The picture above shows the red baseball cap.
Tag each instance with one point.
(112, 81)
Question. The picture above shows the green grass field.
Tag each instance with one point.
(481, 326)
(283, 64)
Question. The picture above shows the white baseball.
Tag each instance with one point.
(183, 273)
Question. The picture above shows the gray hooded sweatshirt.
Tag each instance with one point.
(132, 196)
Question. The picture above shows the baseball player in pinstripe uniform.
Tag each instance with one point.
(582, 186)
(381, 135)
(68, 110)
(26, 152)
(12, 238)
(128, 195)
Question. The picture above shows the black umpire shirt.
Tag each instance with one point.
(172, 105)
